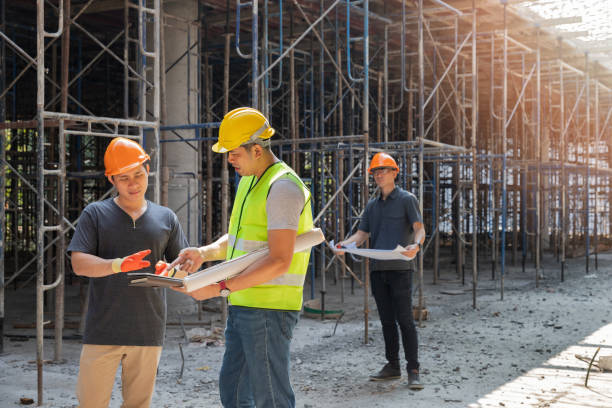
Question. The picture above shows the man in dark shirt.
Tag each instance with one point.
(392, 218)
(124, 325)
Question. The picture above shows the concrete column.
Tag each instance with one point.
(181, 105)
(181, 160)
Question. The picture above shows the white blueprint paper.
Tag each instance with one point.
(227, 269)
(382, 254)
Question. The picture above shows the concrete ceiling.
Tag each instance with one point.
(591, 31)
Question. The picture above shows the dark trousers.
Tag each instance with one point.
(392, 291)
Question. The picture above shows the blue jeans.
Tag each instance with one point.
(255, 370)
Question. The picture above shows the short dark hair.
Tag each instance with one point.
(145, 164)
(265, 145)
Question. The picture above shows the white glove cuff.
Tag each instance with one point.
(116, 265)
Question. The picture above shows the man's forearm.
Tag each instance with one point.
(260, 272)
(281, 244)
(215, 251)
(358, 238)
(91, 266)
(419, 235)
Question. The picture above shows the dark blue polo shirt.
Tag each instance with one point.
(119, 314)
(389, 223)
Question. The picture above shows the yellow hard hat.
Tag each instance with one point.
(240, 126)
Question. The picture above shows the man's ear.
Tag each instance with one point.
(258, 150)
(110, 178)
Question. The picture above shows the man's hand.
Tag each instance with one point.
(411, 250)
(338, 247)
(172, 272)
(191, 259)
(132, 262)
(357, 238)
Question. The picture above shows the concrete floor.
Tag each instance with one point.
(518, 352)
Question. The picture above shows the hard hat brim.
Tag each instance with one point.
(126, 168)
(217, 148)
(371, 169)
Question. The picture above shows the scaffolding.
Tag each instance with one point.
(501, 128)
(56, 127)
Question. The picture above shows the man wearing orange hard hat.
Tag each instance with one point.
(393, 218)
(124, 325)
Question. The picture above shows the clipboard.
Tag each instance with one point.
(150, 280)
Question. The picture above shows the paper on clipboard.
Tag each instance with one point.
(381, 254)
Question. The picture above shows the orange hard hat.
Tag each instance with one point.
(123, 155)
(382, 160)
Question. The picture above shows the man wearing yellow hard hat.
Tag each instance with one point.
(272, 206)
(390, 219)
(124, 325)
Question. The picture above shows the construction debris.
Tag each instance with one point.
(211, 337)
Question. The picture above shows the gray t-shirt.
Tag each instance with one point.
(284, 204)
(389, 223)
(119, 314)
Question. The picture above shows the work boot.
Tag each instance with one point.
(389, 372)
(414, 382)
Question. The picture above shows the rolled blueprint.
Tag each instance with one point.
(383, 254)
(233, 267)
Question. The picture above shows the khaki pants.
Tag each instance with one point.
(98, 367)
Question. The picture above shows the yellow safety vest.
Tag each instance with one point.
(248, 231)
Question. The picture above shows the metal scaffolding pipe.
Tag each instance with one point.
(474, 157)
(587, 180)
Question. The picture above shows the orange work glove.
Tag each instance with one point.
(172, 273)
(159, 267)
(132, 262)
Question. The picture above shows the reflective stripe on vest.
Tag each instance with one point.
(288, 280)
(245, 245)
(248, 232)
